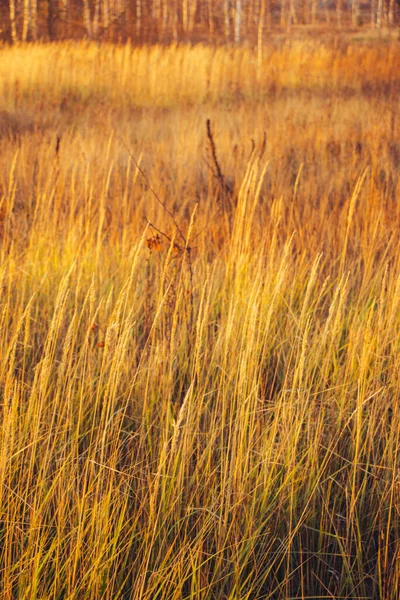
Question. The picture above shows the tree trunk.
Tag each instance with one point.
(52, 18)
(354, 13)
(238, 21)
(227, 21)
(373, 12)
(260, 36)
(339, 13)
(185, 15)
(105, 15)
(33, 20)
(64, 17)
(13, 23)
(164, 18)
(175, 21)
(379, 14)
(326, 11)
(26, 21)
(391, 12)
(192, 14)
(283, 13)
(96, 16)
(86, 18)
(269, 14)
(138, 18)
(314, 5)
(210, 17)
(293, 15)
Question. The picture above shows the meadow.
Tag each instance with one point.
(199, 321)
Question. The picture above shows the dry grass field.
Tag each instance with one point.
(200, 327)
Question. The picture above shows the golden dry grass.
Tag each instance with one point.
(222, 423)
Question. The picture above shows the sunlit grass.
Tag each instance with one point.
(208, 409)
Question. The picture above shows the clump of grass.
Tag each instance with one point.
(225, 428)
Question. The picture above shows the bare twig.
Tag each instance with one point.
(223, 185)
(210, 220)
(150, 224)
(264, 145)
(58, 143)
(156, 196)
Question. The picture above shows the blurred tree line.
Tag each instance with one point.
(144, 21)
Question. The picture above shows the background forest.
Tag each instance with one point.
(144, 21)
